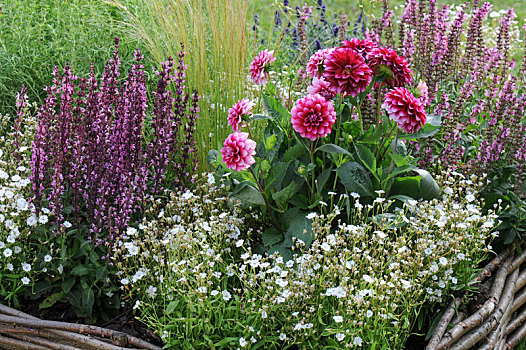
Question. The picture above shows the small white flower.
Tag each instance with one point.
(26, 267)
(368, 278)
(369, 314)
(214, 293)
(60, 269)
(47, 258)
(442, 261)
(10, 266)
(226, 295)
(32, 220)
(137, 303)
(201, 289)
(357, 341)
(109, 294)
(67, 224)
(125, 281)
(340, 336)
(264, 314)
(8, 252)
(470, 198)
(25, 280)
(282, 336)
(325, 247)
(211, 179)
(243, 342)
(355, 195)
(338, 319)
(43, 219)
(311, 216)
(239, 243)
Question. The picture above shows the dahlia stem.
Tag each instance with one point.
(391, 165)
(267, 204)
(381, 146)
(311, 152)
(359, 109)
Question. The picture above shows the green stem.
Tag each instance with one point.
(267, 204)
(391, 165)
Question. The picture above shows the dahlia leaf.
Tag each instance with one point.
(333, 149)
(248, 194)
(429, 188)
(367, 157)
(282, 197)
(271, 236)
(355, 178)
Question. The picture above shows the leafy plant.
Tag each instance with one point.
(298, 166)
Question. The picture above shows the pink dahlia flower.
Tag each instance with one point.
(315, 67)
(405, 109)
(346, 72)
(322, 87)
(236, 113)
(313, 117)
(259, 67)
(238, 151)
(363, 47)
(384, 61)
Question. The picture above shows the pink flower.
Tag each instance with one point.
(313, 117)
(238, 151)
(346, 72)
(422, 92)
(363, 47)
(322, 87)
(236, 113)
(315, 67)
(395, 69)
(405, 109)
(259, 67)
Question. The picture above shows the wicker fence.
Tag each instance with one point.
(495, 320)
(22, 331)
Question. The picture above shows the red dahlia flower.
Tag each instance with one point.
(236, 113)
(346, 72)
(313, 117)
(259, 67)
(385, 62)
(315, 67)
(238, 151)
(363, 47)
(405, 109)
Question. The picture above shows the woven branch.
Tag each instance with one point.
(454, 305)
(500, 323)
(516, 338)
(18, 329)
(478, 317)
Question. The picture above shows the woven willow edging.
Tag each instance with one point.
(22, 331)
(500, 322)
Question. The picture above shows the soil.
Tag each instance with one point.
(415, 342)
(125, 322)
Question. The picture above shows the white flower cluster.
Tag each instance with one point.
(353, 285)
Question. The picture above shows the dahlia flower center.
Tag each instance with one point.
(313, 119)
(232, 152)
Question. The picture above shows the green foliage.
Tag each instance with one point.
(77, 277)
(295, 176)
